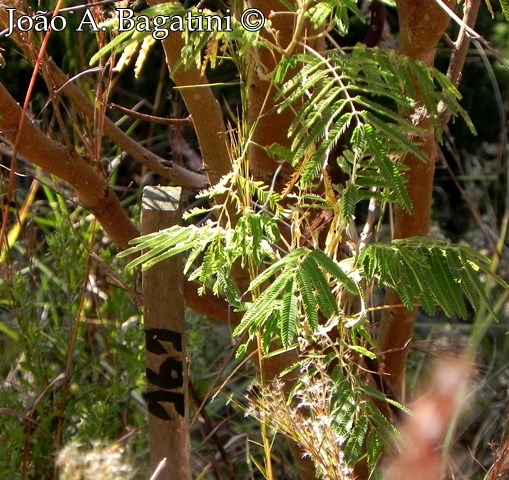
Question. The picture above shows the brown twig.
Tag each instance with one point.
(15, 143)
(177, 122)
(460, 51)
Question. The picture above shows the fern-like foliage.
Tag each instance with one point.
(302, 282)
(430, 273)
(217, 248)
(301, 290)
(363, 98)
(291, 294)
(337, 13)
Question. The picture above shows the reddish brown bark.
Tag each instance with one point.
(202, 105)
(65, 163)
(422, 23)
(269, 126)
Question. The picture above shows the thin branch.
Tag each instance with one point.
(15, 144)
(464, 25)
(460, 50)
(167, 169)
(176, 122)
(462, 43)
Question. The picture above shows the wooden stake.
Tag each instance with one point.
(165, 354)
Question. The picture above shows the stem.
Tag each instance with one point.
(263, 424)
(460, 50)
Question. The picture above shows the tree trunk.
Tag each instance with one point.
(202, 105)
(422, 23)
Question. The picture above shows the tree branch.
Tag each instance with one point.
(460, 50)
(65, 163)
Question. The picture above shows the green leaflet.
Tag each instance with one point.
(309, 304)
(429, 272)
(447, 291)
(356, 437)
(325, 10)
(505, 8)
(251, 235)
(263, 306)
(326, 301)
(301, 287)
(348, 202)
(287, 261)
(334, 269)
(287, 324)
(374, 448)
(345, 407)
(166, 243)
